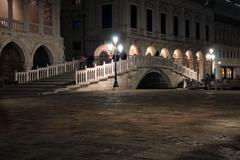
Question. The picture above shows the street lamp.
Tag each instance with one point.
(116, 48)
(211, 57)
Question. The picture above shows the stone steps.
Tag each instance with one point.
(47, 85)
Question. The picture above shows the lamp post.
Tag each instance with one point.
(211, 57)
(116, 48)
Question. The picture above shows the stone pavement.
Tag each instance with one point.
(122, 125)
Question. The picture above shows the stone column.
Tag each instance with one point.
(41, 17)
(56, 18)
(124, 18)
(203, 28)
(142, 18)
(211, 30)
(26, 15)
(157, 19)
(170, 22)
(10, 15)
(193, 27)
(182, 24)
(217, 68)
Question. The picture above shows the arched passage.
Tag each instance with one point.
(189, 59)
(200, 65)
(154, 80)
(11, 59)
(42, 57)
(134, 50)
(103, 53)
(165, 53)
(151, 51)
(177, 56)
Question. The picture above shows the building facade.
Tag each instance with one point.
(29, 35)
(182, 30)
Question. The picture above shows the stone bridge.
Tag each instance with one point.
(135, 72)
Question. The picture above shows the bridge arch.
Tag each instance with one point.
(165, 53)
(154, 79)
(189, 59)
(151, 51)
(12, 58)
(134, 50)
(177, 56)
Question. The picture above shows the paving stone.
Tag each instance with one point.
(121, 125)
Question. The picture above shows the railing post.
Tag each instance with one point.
(126, 62)
(57, 69)
(27, 78)
(73, 64)
(120, 65)
(86, 74)
(104, 69)
(112, 63)
(16, 76)
(37, 73)
(65, 66)
(48, 70)
(76, 77)
(95, 67)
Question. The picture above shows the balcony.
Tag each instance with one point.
(18, 26)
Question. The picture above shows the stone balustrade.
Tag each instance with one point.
(49, 71)
(105, 71)
(3, 23)
(18, 26)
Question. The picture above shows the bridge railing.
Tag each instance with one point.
(105, 71)
(49, 71)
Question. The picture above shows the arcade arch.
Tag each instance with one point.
(189, 59)
(103, 54)
(42, 57)
(134, 50)
(151, 51)
(165, 53)
(11, 59)
(177, 56)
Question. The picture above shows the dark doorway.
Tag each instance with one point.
(104, 57)
(11, 60)
(41, 58)
(153, 80)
